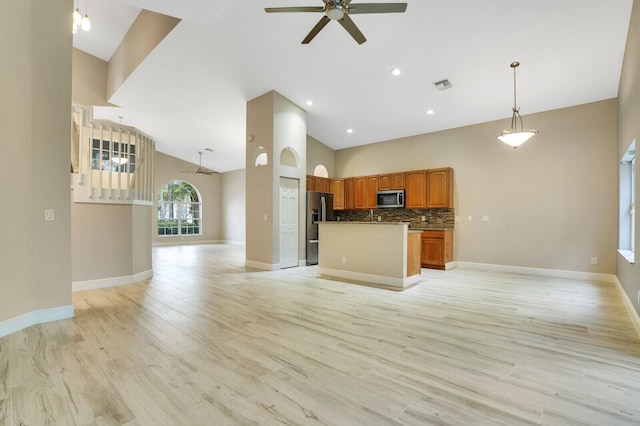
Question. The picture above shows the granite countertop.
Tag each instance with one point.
(375, 222)
(412, 225)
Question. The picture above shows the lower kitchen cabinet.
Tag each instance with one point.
(437, 249)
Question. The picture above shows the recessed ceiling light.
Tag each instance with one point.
(395, 71)
(349, 131)
(430, 112)
(309, 103)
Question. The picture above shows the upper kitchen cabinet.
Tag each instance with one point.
(365, 192)
(360, 192)
(349, 194)
(311, 183)
(372, 192)
(416, 189)
(323, 184)
(391, 181)
(337, 189)
(440, 188)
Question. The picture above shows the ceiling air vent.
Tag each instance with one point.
(443, 84)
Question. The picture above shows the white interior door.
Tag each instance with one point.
(288, 222)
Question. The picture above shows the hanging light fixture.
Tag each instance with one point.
(79, 21)
(86, 23)
(517, 135)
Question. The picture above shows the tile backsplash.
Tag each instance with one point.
(434, 218)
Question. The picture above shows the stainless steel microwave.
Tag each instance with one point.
(390, 199)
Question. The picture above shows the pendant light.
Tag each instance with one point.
(517, 135)
(79, 21)
(86, 23)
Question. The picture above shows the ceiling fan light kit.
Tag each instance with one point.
(516, 136)
(339, 10)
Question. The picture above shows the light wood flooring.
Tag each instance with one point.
(208, 342)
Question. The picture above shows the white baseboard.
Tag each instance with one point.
(176, 242)
(111, 282)
(370, 278)
(633, 314)
(559, 273)
(36, 317)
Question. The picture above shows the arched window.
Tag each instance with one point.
(179, 209)
(321, 171)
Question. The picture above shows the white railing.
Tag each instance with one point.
(111, 163)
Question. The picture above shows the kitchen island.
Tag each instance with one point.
(384, 253)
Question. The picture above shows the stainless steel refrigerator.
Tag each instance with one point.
(319, 209)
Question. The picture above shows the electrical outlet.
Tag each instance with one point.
(344, 259)
(379, 218)
(594, 260)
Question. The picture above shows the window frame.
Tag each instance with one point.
(179, 217)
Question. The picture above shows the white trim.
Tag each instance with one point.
(111, 282)
(302, 262)
(370, 278)
(559, 273)
(35, 317)
(633, 314)
(450, 265)
(262, 266)
(234, 242)
(179, 242)
(628, 255)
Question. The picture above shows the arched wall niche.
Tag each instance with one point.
(260, 157)
(289, 157)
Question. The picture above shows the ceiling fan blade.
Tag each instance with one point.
(315, 30)
(294, 9)
(359, 8)
(351, 28)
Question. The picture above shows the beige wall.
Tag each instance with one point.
(89, 79)
(628, 130)
(259, 181)
(168, 168)
(148, 30)
(101, 238)
(551, 204)
(35, 117)
(233, 206)
(319, 153)
(273, 123)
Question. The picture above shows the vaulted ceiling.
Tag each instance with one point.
(190, 93)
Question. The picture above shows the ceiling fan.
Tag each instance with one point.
(339, 10)
(201, 170)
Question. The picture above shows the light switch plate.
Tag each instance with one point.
(48, 214)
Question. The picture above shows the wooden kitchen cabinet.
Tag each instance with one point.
(337, 189)
(348, 194)
(365, 190)
(311, 183)
(440, 188)
(416, 189)
(437, 249)
(360, 192)
(372, 192)
(323, 184)
(391, 181)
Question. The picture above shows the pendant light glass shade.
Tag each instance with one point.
(77, 17)
(516, 136)
(86, 23)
